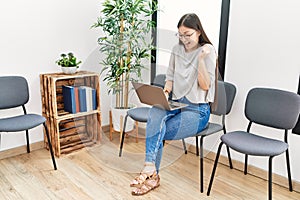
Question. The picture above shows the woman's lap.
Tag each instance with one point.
(186, 124)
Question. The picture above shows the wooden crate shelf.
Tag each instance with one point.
(70, 132)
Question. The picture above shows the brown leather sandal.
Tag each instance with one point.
(147, 186)
(139, 180)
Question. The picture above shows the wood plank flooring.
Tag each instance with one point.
(99, 173)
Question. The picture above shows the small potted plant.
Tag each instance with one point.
(69, 63)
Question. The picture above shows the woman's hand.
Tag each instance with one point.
(168, 88)
(167, 94)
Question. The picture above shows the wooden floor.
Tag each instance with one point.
(99, 173)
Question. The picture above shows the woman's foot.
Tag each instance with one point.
(147, 186)
(148, 172)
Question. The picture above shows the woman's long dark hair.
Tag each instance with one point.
(191, 20)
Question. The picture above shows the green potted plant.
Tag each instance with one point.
(69, 63)
(126, 43)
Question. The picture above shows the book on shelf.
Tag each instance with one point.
(82, 99)
(77, 102)
(69, 98)
(79, 99)
(94, 99)
(90, 100)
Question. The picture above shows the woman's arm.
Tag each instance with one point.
(203, 75)
(170, 74)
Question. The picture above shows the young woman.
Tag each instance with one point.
(191, 79)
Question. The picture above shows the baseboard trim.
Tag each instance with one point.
(21, 150)
(105, 128)
(33, 146)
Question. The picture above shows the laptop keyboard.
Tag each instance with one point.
(173, 106)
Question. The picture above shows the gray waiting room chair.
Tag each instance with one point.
(14, 92)
(225, 96)
(140, 114)
(273, 108)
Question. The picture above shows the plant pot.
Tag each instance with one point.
(117, 114)
(69, 70)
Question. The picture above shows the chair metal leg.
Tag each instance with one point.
(184, 146)
(228, 151)
(201, 164)
(229, 157)
(197, 146)
(50, 146)
(123, 136)
(214, 169)
(27, 140)
(270, 178)
(289, 170)
(246, 164)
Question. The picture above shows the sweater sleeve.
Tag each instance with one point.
(210, 62)
(171, 67)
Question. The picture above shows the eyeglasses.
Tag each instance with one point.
(187, 36)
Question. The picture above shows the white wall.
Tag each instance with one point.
(168, 17)
(33, 35)
(263, 48)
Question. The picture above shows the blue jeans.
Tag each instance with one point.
(173, 125)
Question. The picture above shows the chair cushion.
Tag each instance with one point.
(21, 122)
(139, 114)
(211, 128)
(251, 144)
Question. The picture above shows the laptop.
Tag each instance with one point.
(155, 96)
